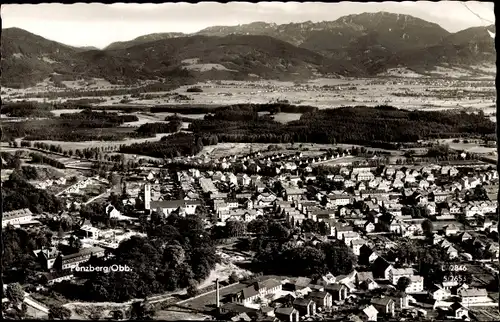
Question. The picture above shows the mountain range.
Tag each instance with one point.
(354, 45)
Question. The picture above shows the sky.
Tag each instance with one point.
(99, 25)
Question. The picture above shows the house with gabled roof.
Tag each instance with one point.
(451, 229)
(384, 305)
(287, 314)
(473, 295)
(322, 299)
(439, 293)
(381, 268)
(369, 313)
(458, 311)
(306, 307)
(396, 273)
(338, 291)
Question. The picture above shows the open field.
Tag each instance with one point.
(469, 147)
(174, 315)
(287, 117)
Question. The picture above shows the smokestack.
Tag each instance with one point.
(217, 295)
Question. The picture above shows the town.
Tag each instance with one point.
(302, 239)
(281, 162)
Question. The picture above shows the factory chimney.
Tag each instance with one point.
(217, 294)
(147, 196)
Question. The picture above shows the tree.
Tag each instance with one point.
(339, 258)
(233, 278)
(258, 226)
(192, 290)
(15, 294)
(278, 231)
(235, 228)
(403, 283)
(427, 227)
(142, 311)
(59, 312)
(117, 315)
(75, 243)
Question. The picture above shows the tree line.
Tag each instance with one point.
(42, 159)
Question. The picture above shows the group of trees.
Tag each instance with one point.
(15, 309)
(11, 160)
(93, 119)
(42, 159)
(27, 109)
(152, 128)
(177, 253)
(233, 228)
(334, 257)
(176, 145)
(429, 260)
(17, 193)
(18, 246)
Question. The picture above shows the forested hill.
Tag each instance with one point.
(343, 125)
(354, 46)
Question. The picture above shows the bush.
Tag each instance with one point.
(233, 278)
(192, 291)
(194, 90)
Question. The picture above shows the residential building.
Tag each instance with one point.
(438, 293)
(71, 261)
(287, 314)
(294, 194)
(369, 313)
(166, 207)
(47, 257)
(340, 200)
(322, 299)
(338, 291)
(396, 273)
(416, 285)
(473, 295)
(459, 312)
(384, 305)
(306, 307)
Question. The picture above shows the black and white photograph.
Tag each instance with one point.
(267, 161)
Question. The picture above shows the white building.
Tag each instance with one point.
(396, 273)
(416, 285)
(17, 217)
